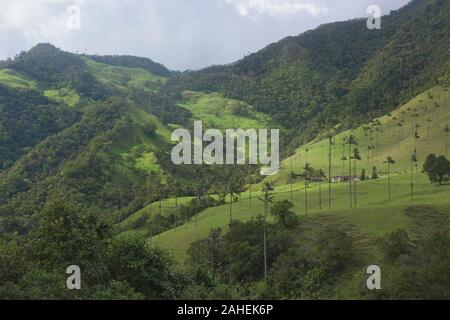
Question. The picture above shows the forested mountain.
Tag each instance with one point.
(340, 73)
(85, 165)
(60, 109)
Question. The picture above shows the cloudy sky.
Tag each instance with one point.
(182, 34)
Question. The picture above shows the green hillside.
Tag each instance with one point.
(371, 217)
(14, 80)
(86, 175)
(301, 81)
(124, 77)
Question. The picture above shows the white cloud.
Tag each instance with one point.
(276, 7)
(179, 33)
(35, 20)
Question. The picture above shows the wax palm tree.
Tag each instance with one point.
(413, 162)
(308, 171)
(446, 131)
(292, 178)
(267, 199)
(234, 188)
(174, 189)
(356, 157)
(350, 141)
(330, 145)
(368, 150)
(307, 174)
(416, 135)
(343, 159)
(390, 161)
(399, 125)
(250, 183)
(437, 106)
(321, 175)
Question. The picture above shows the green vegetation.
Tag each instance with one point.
(338, 74)
(14, 80)
(124, 77)
(218, 112)
(86, 176)
(66, 96)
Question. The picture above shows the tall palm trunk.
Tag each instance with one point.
(417, 175)
(231, 207)
(389, 180)
(320, 195)
(350, 174)
(306, 214)
(412, 180)
(354, 182)
(265, 242)
(329, 173)
(250, 191)
(291, 181)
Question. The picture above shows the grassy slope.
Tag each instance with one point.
(65, 95)
(394, 141)
(135, 149)
(122, 77)
(216, 112)
(14, 79)
(374, 217)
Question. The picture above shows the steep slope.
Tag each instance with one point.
(94, 133)
(374, 215)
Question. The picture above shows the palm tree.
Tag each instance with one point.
(350, 141)
(390, 161)
(437, 107)
(399, 125)
(291, 178)
(250, 182)
(343, 159)
(330, 145)
(446, 131)
(268, 196)
(416, 135)
(233, 190)
(413, 161)
(307, 173)
(321, 175)
(356, 157)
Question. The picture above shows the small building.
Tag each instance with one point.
(338, 179)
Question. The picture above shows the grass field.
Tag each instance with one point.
(221, 113)
(122, 77)
(388, 139)
(14, 79)
(65, 95)
(375, 215)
